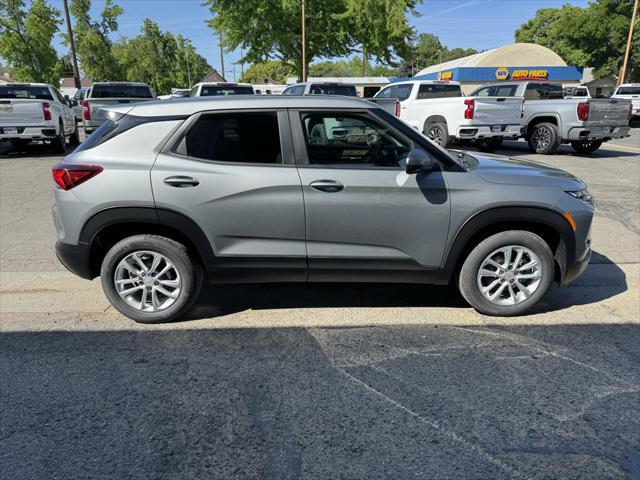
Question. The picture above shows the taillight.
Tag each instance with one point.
(86, 113)
(46, 111)
(398, 108)
(471, 104)
(583, 111)
(69, 176)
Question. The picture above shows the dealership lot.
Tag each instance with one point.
(332, 381)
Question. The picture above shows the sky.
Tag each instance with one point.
(479, 24)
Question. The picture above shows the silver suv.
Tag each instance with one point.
(164, 196)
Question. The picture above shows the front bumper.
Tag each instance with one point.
(574, 269)
(40, 132)
(598, 133)
(75, 258)
(468, 132)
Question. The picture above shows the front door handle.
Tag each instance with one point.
(180, 181)
(329, 186)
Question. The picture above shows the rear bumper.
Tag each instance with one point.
(38, 132)
(75, 258)
(598, 133)
(489, 131)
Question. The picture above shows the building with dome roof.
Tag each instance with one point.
(518, 61)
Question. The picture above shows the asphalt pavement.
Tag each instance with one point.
(321, 382)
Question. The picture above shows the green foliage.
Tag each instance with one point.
(93, 45)
(349, 68)
(271, 29)
(160, 59)
(426, 51)
(594, 36)
(274, 70)
(25, 41)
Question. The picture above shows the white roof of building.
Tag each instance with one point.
(514, 55)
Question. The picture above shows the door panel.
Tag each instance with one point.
(252, 214)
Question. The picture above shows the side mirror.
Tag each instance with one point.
(419, 161)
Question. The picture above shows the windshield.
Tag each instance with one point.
(27, 92)
(215, 90)
(345, 90)
(121, 91)
(628, 91)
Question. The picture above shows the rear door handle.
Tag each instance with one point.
(329, 186)
(180, 181)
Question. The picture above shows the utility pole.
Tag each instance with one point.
(626, 53)
(221, 57)
(74, 60)
(304, 47)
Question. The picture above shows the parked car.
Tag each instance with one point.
(631, 92)
(106, 94)
(443, 114)
(175, 93)
(76, 102)
(576, 92)
(214, 89)
(550, 119)
(36, 111)
(321, 88)
(165, 196)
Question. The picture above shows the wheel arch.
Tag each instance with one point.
(434, 119)
(107, 227)
(548, 224)
(541, 118)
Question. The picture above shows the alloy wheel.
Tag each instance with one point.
(435, 134)
(147, 281)
(541, 137)
(509, 275)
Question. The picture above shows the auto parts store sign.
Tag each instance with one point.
(503, 73)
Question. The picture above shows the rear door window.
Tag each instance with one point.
(121, 91)
(435, 90)
(235, 137)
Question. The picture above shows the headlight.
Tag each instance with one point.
(583, 195)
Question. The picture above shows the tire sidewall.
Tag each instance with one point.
(467, 279)
(176, 253)
(446, 142)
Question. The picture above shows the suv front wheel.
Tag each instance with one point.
(507, 273)
(150, 279)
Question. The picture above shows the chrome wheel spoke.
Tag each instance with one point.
(147, 281)
(503, 281)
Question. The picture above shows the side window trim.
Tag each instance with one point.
(300, 146)
(174, 145)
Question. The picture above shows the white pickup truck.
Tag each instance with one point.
(630, 91)
(440, 111)
(550, 119)
(109, 94)
(36, 111)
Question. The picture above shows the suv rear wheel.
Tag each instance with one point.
(507, 273)
(150, 279)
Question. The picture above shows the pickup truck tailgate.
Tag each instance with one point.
(498, 110)
(21, 113)
(608, 111)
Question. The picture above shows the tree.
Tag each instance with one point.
(271, 29)
(349, 68)
(273, 70)
(25, 41)
(93, 44)
(160, 59)
(594, 36)
(427, 50)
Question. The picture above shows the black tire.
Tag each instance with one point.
(189, 270)
(439, 133)
(59, 144)
(489, 144)
(468, 277)
(19, 143)
(544, 138)
(74, 139)
(586, 146)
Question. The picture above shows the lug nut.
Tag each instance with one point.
(156, 283)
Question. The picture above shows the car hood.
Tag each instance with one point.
(514, 171)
